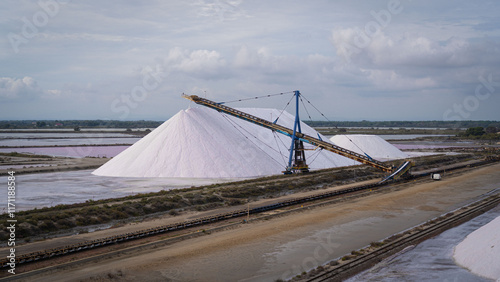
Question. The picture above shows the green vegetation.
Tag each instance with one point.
(387, 131)
(173, 202)
(357, 252)
(40, 222)
(406, 124)
(77, 124)
(478, 132)
(54, 124)
(490, 133)
(347, 257)
(16, 154)
(376, 244)
(474, 131)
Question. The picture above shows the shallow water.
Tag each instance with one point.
(68, 141)
(409, 136)
(51, 189)
(16, 135)
(72, 152)
(431, 260)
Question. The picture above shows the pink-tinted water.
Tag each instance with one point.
(75, 152)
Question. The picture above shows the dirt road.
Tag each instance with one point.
(285, 246)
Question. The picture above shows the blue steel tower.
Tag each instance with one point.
(297, 159)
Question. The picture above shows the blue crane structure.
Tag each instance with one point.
(297, 161)
(297, 146)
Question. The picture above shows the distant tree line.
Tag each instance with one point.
(407, 124)
(482, 133)
(81, 124)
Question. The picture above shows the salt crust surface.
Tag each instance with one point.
(373, 145)
(480, 251)
(203, 143)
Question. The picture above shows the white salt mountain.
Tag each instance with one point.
(480, 251)
(203, 143)
(373, 145)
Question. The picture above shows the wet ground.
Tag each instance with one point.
(431, 259)
(51, 189)
(285, 246)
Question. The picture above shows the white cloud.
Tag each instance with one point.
(264, 60)
(391, 80)
(410, 50)
(412, 62)
(18, 88)
(420, 51)
(235, 49)
(200, 63)
(223, 10)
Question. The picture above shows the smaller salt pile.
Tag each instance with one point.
(373, 145)
(203, 143)
(480, 251)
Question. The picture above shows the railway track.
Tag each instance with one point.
(97, 243)
(365, 261)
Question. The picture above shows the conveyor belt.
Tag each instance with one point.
(86, 245)
(289, 132)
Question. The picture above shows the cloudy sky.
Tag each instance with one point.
(354, 60)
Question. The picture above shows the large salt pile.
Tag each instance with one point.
(480, 251)
(203, 143)
(372, 145)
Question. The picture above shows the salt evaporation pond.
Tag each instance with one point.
(51, 189)
(66, 142)
(409, 136)
(431, 260)
(72, 152)
(17, 135)
(69, 130)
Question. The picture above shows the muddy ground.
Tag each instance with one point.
(285, 246)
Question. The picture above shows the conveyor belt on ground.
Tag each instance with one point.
(86, 245)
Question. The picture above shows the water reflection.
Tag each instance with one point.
(431, 260)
